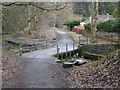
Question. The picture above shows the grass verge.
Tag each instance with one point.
(73, 35)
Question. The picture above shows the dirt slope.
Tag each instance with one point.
(12, 67)
(106, 74)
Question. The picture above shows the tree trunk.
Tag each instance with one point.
(29, 28)
(94, 13)
(29, 20)
(92, 24)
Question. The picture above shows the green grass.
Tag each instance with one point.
(4, 37)
(20, 51)
(7, 37)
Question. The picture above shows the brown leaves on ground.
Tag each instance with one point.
(11, 68)
(105, 74)
(40, 35)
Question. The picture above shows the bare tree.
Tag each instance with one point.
(36, 11)
(93, 14)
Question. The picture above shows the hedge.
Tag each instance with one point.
(107, 26)
(72, 22)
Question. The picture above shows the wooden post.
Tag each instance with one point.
(70, 54)
(73, 50)
(66, 47)
(79, 51)
(73, 46)
(62, 57)
(74, 54)
(66, 51)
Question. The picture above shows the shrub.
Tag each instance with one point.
(87, 27)
(107, 26)
(72, 22)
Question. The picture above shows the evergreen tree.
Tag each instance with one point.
(83, 8)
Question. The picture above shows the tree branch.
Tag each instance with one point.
(32, 4)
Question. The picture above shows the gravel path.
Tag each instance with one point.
(40, 69)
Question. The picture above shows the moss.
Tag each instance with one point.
(20, 51)
(92, 56)
(5, 37)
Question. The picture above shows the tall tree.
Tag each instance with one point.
(118, 20)
(93, 15)
(116, 14)
(18, 15)
(82, 8)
